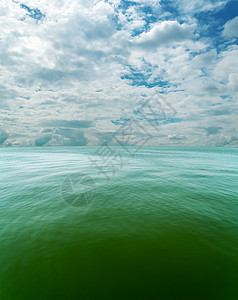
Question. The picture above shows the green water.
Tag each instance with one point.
(165, 226)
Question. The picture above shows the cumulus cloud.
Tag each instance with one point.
(165, 33)
(70, 67)
(225, 69)
(230, 28)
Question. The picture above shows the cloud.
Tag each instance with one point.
(3, 136)
(61, 137)
(70, 67)
(175, 137)
(166, 32)
(230, 28)
(70, 137)
(213, 130)
(42, 140)
(228, 141)
(7, 94)
(67, 124)
(233, 82)
(194, 7)
(226, 71)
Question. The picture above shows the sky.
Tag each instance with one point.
(73, 72)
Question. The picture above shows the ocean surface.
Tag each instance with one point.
(79, 224)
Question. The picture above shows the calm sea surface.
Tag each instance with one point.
(162, 224)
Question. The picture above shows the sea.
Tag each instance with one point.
(118, 223)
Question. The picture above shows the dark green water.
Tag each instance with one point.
(164, 227)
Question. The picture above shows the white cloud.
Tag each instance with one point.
(231, 28)
(103, 8)
(196, 6)
(233, 82)
(69, 66)
(166, 32)
(226, 64)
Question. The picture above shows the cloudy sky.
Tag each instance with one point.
(72, 71)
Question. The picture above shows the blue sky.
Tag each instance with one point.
(72, 71)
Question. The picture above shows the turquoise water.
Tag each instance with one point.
(165, 226)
